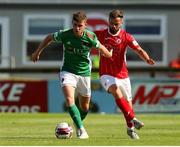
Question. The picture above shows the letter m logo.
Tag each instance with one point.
(140, 95)
(155, 94)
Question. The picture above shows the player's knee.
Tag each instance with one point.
(69, 101)
(115, 91)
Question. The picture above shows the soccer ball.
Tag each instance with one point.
(63, 130)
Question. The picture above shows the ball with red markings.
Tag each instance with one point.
(63, 130)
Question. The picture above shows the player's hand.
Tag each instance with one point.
(35, 57)
(150, 61)
(111, 51)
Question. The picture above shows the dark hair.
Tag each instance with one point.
(79, 16)
(116, 13)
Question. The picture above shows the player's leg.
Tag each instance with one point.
(111, 85)
(68, 84)
(130, 104)
(121, 102)
(83, 109)
(125, 86)
(84, 90)
(72, 108)
(84, 93)
(84, 102)
(125, 108)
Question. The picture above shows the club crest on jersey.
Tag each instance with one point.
(118, 41)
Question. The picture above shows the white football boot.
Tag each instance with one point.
(131, 132)
(137, 124)
(81, 133)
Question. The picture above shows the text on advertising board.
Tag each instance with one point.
(20, 96)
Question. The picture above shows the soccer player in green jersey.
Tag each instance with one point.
(76, 69)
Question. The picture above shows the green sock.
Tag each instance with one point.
(75, 115)
(83, 114)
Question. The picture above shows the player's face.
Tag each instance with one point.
(78, 28)
(115, 24)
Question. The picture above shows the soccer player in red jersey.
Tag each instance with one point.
(113, 71)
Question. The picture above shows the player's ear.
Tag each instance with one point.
(122, 20)
(85, 23)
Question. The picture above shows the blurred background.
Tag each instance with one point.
(34, 87)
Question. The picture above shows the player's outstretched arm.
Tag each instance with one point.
(35, 55)
(105, 52)
(144, 56)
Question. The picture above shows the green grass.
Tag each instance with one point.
(104, 130)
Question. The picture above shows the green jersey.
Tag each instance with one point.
(77, 51)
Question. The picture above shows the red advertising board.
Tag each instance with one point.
(23, 96)
(155, 96)
(97, 21)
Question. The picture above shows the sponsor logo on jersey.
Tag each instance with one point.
(86, 43)
(68, 43)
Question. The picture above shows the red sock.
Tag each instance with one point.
(129, 124)
(126, 110)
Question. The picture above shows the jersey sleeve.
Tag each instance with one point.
(132, 43)
(95, 42)
(57, 36)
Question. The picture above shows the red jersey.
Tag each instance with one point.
(116, 65)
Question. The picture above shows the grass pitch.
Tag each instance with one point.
(104, 130)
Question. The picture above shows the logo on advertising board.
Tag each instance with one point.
(97, 21)
(160, 97)
(23, 96)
